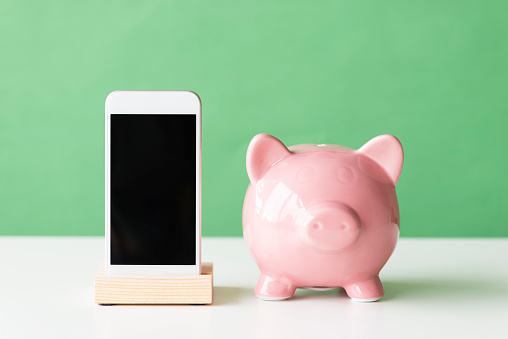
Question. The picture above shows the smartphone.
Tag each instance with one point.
(153, 183)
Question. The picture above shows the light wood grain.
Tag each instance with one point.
(149, 289)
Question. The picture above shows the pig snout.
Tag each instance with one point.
(329, 227)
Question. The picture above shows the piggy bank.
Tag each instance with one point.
(321, 216)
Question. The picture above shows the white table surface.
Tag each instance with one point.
(435, 288)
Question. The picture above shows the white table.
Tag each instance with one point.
(435, 288)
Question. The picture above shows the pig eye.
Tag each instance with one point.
(345, 175)
(305, 175)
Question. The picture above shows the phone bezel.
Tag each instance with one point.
(153, 102)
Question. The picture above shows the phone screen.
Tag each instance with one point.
(153, 189)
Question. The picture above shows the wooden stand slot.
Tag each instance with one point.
(147, 289)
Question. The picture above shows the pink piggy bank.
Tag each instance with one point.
(321, 216)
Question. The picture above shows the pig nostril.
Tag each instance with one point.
(328, 227)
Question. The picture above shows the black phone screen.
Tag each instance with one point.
(153, 189)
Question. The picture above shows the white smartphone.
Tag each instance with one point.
(153, 183)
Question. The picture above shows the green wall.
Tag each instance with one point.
(433, 73)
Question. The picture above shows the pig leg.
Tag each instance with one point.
(366, 290)
(271, 288)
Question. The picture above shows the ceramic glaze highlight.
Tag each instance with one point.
(321, 215)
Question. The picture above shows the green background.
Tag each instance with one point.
(433, 73)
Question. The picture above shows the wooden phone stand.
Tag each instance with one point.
(146, 289)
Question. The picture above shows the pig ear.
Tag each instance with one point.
(264, 150)
(387, 152)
